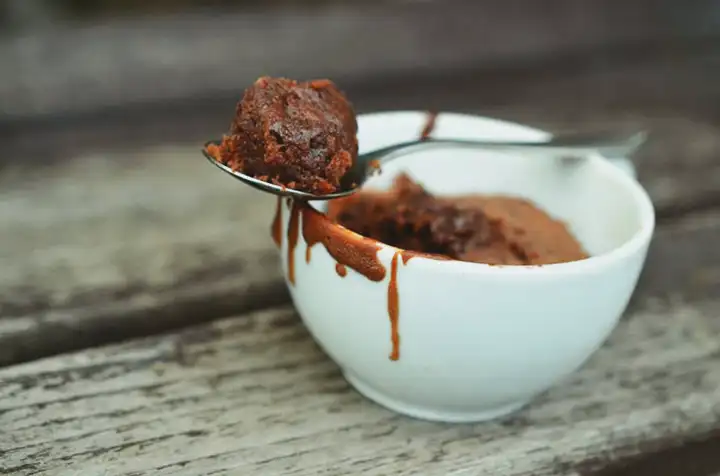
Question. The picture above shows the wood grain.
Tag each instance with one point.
(101, 246)
(109, 246)
(254, 395)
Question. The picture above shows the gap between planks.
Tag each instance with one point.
(695, 457)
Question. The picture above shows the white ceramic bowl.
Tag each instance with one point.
(479, 341)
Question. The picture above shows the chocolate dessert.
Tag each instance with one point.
(300, 135)
(490, 229)
(483, 229)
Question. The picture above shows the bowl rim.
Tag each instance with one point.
(630, 247)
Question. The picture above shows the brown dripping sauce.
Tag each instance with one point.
(429, 125)
(349, 249)
(340, 269)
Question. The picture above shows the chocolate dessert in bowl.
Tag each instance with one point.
(458, 285)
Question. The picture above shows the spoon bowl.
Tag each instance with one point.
(574, 146)
(267, 186)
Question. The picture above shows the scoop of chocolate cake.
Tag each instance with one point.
(300, 135)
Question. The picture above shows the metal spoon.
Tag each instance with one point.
(572, 145)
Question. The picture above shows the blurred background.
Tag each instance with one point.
(106, 73)
(109, 100)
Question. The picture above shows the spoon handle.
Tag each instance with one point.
(608, 145)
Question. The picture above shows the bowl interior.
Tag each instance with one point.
(597, 201)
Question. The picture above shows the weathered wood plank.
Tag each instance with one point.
(105, 247)
(695, 457)
(673, 97)
(97, 246)
(78, 67)
(255, 395)
(684, 260)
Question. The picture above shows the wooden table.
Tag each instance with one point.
(145, 329)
